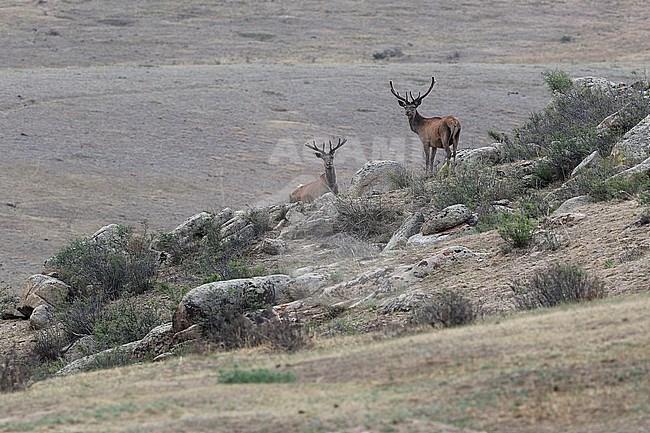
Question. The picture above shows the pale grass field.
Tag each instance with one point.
(572, 369)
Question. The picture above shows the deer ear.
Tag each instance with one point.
(318, 154)
(401, 103)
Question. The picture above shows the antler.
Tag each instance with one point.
(313, 147)
(392, 89)
(322, 150)
(415, 101)
(340, 143)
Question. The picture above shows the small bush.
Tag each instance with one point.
(447, 310)
(476, 186)
(256, 376)
(534, 205)
(124, 321)
(367, 218)
(49, 343)
(14, 371)
(557, 81)
(516, 229)
(112, 264)
(283, 336)
(560, 283)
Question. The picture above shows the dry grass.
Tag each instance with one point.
(574, 369)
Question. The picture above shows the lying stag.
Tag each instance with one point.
(326, 182)
(435, 132)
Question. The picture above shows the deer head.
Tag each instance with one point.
(327, 157)
(410, 107)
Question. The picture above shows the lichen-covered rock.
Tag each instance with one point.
(409, 227)
(488, 154)
(42, 317)
(205, 300)
(42, 289)
(634, 146)
(273, 247)
(376, 177)
(593, 160)
(448, 218)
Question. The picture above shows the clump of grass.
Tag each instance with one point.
(560, 283)
(237, 375)
(516, 229)
(448, 309)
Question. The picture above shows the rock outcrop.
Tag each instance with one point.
(376, 177)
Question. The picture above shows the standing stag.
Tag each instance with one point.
(435, 132)
(326, 182)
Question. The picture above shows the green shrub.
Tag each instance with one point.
(565, 130)
(124, 321)
(448, 309)
(516, 229)
(557, 81)
(112, 264)
(256, 376)
(534, 205)
(558, 284)
(476, 186)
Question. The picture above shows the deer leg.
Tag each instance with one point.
(433, 157)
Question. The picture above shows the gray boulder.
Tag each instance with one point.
(84, 346)
(376, 177)
(634, 146)
(448, 218)
(42, 290)
(42, 317)
(86, 363)
(641, 168)
(593, 160)
(207, 299)
(409, 227)
(488, 154)
(572, 204)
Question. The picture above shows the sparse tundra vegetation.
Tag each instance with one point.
(160, 273)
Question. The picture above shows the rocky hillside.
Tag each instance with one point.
(563, 193)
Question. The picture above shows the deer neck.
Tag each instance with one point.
(416, 122)
(330, 178)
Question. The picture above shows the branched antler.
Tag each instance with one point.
(414, 101)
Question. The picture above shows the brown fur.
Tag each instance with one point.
(434, 132)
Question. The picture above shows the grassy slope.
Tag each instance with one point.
(573, 369)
